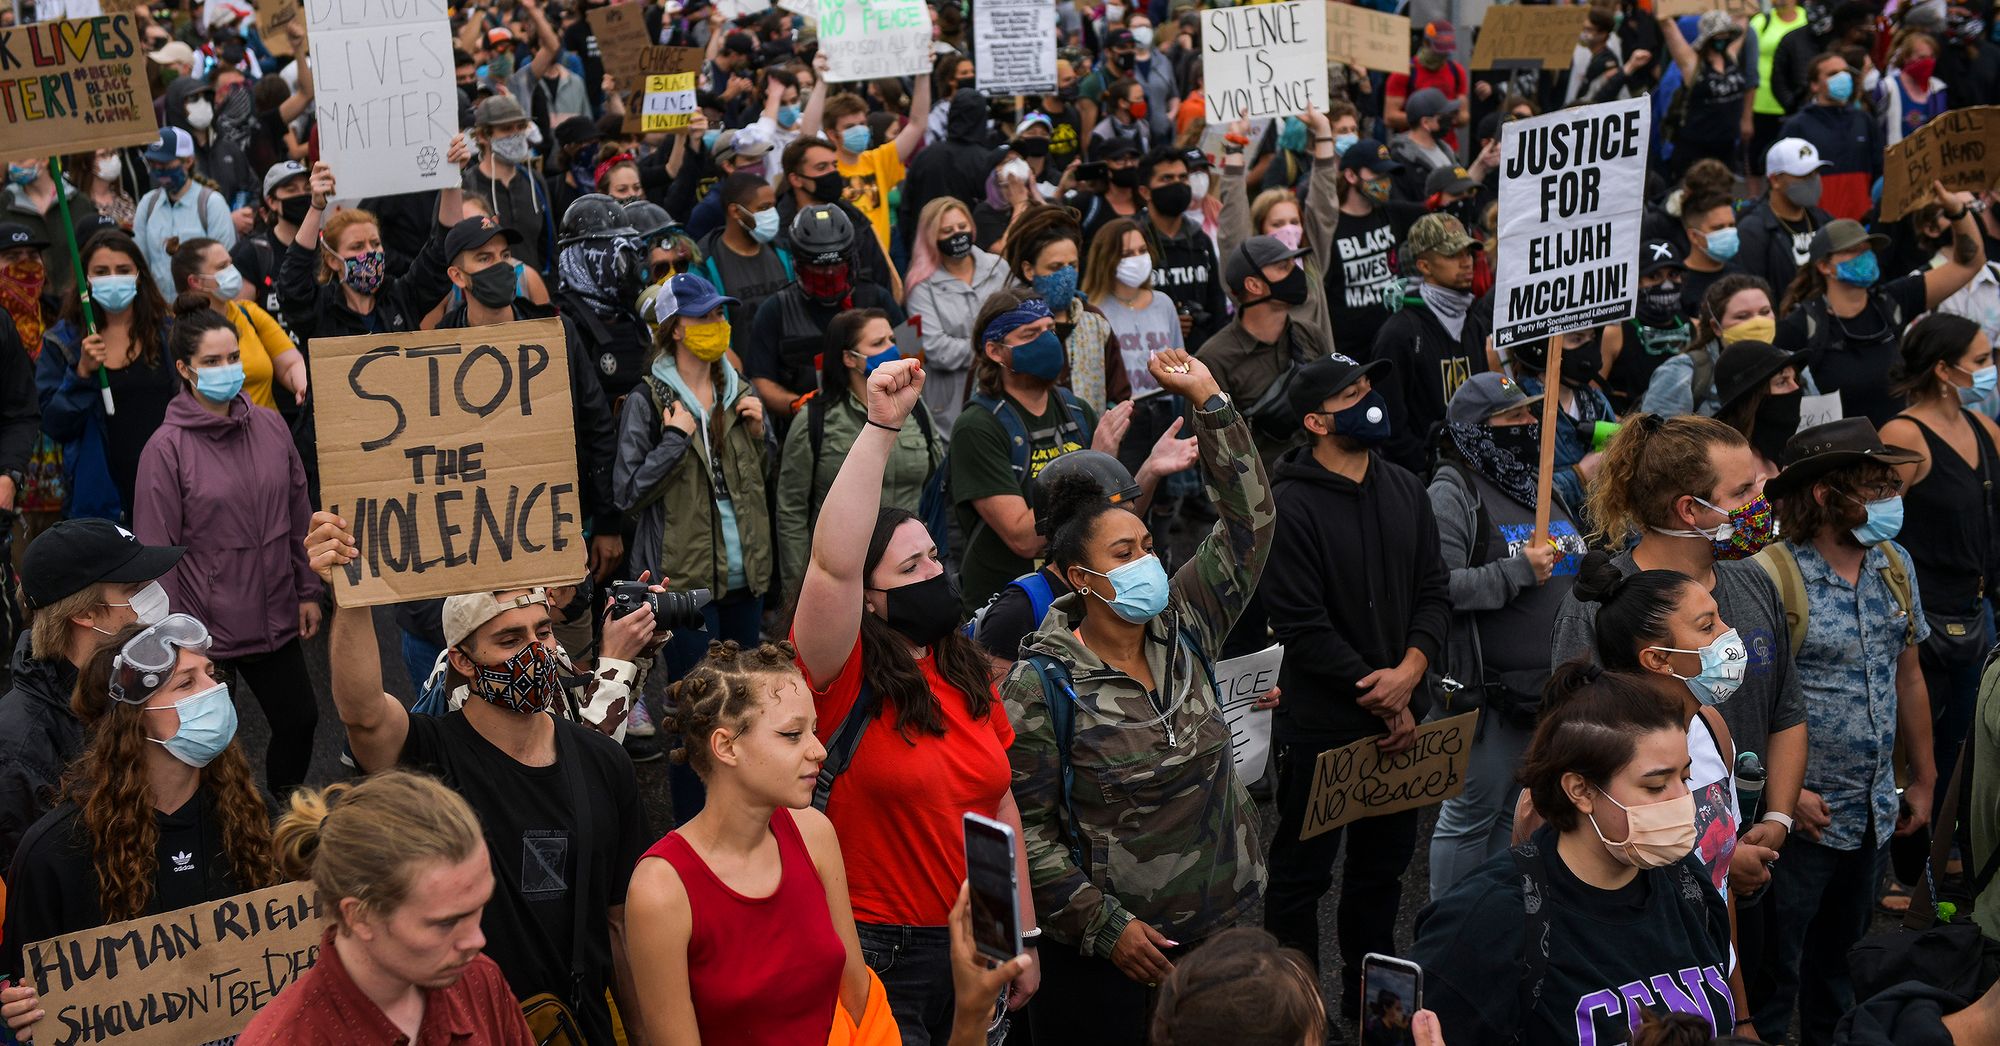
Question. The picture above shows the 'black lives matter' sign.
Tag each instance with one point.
(1570, 214)
(452, 456)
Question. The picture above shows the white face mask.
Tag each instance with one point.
(1198, 181)
(149, 605)
(1135, 270)
(200, 115)
(109, 168)
(513, 148)
(1142, 37)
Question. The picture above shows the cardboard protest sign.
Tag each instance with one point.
(452, 456)
(663, 96)
(1740, 9)
(620, 30)
(385, 97)
(803, 8)
(272, 18)
(1569, 219)
(1517, 34)
(1263, 60)
(71, 86)
(194, 975)
(1014, 46)
(1366, 37)
(870, 39)
(1239, 682)
(1358, 781)
(1959, 147)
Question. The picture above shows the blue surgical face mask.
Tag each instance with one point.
(1885, 520)
(764, 225)
(1984, 381)
(788, 115)
(855, 138)
(1139, 589)
(1862, 270)
(114, 293)
(1057, 288)
(219, 384)
(708, 140)
(20, 175)
(1722, 663)
(208, 724)
(888, 355)
(1343, 142)
(228, 283)
(1840, 87)
(1042, 358)
(1722, 244)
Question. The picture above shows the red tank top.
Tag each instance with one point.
(761, 969)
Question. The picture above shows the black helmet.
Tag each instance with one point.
(1113, 478)
(594, 217)
(821, 235)
(649, 218)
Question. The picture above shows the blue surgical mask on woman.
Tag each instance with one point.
(1862, 270)
(855, 138)
(1041, 358)
(869, 364)
(1722, 244)
(1722, 663)
(1885, 520)
(114, 293)
(1138, 589)
(228, 283)
(208, 724)
(1984, 381)
(219, 384)
(788, 116)
(1057, 288)
(1840, 87)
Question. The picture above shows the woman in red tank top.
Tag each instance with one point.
(740, 917)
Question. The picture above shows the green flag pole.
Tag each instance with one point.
(82, 284)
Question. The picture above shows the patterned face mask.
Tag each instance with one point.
(528, 682)
(364, 272)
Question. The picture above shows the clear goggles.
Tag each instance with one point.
(148, 659)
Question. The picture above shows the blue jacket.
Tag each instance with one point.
(73, 415)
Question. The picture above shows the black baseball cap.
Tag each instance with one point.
(1370, 154)
(1659, 253)
(14, 234)
(473, 233)
(77, 553)
(1324, 378)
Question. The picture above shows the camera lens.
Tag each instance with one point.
(680, 610)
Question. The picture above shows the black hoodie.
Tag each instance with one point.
(39, 736)
(956, 167)
(1354, 580)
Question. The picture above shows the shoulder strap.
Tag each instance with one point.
(1531, 867)
(1035, 586)
(816, 431)
(1777, 560)
(846, 741)
(1704, 376)
(1482, 522)
(1073, 414)
(570, 756)
(1019, 453)
(1897, 577)
(1059, 693)
(146, 209)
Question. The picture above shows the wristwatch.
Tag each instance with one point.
(1215, 403)
(1781, 820)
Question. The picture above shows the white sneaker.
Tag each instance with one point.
(639, 722)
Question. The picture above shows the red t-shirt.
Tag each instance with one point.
(898, 808)
(1450, 78)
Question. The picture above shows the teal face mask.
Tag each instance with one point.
(1984, 381)
(1139, 589)
(1885, 521)
(208, 724)
(219, 384)
(855, 138)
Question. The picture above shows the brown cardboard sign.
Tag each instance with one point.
(451, 454)
(1359, 781)
(662, 98)
(1513, 32)
(1740, 9)
(194, 975)
(73, 85)
(621, 41)
(273, 16)
(1959, 147)
(1367, 37)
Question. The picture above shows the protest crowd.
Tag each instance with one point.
(1517, 478)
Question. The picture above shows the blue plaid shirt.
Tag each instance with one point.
(1847, 672)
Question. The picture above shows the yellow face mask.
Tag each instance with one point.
(708, 341)
(1756, 328)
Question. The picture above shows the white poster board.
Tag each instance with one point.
(1014, 46)
(1239, 682)
(1818, 410)
(1570, 212)
(1263, 60)
(386, 102)
(871, 39)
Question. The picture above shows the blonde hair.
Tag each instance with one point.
(49, 638)
(364, 839)
(330, 232)
(1651, 463)
(1260, 208)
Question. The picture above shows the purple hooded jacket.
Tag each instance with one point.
(232, 490)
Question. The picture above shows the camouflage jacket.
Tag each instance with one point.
(1167, 831)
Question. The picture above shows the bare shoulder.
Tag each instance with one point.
(819, 836)
(656, 887)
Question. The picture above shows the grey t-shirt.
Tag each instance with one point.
(1769, 700)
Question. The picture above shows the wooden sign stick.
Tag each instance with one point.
(1551, 412)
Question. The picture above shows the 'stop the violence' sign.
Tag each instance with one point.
(452, 456)
(1569, 219)
(70, 86)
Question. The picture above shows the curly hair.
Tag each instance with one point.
(364, 839)
(108, 781)
(1244, 988)
(1803, 517)
(723, 692)
(1651, 463)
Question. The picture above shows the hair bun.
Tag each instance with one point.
(189, 304)
(1598, 579)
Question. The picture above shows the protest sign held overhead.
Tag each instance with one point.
(385, 97)
(1959, 147)
(451, 455)
(1014, 46)
(620, 32)
(1359, 781)
(194, 975)
(1532, 35)
(1570, 214)
(1240, 682)
(1366, 37)
(273, 16)
(663, 99)
(1741, 9)
(1264, 60)
(871, 39)
(70, 86)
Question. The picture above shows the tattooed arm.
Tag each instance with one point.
(1968, 250)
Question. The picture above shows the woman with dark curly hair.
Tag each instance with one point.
(756, 866)
(159, 813)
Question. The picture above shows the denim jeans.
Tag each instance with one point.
(1820, 902)
(738, 616)
(1476, 824)
(914, 963)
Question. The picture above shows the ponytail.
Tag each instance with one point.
(1651, 463)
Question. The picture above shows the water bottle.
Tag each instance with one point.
(1749, 785)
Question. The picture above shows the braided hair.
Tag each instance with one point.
(723, 692)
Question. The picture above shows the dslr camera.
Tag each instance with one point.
(671, 610)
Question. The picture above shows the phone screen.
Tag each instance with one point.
(989, 873)
(1391, 991)
(1093, 172)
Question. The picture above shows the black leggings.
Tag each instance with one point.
(285, 692)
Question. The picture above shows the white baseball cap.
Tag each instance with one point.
(1794, 156)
